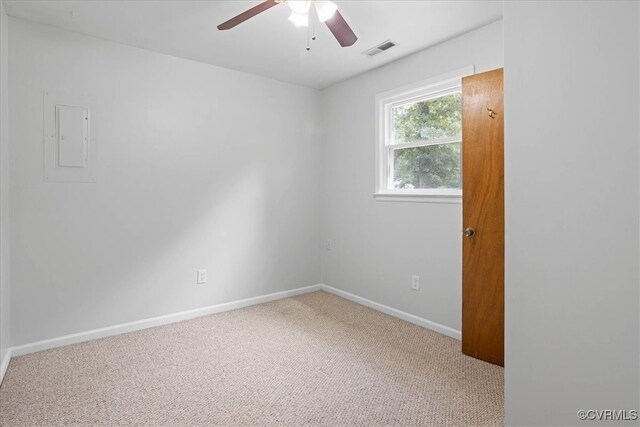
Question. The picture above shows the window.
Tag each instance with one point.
(419, 141)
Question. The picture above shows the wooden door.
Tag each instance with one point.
(483, 217)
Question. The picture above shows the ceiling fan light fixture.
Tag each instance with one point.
(299, 19)
(299, 6)
(325, 9)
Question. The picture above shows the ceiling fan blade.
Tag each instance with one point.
(248, 14)
(341, 30)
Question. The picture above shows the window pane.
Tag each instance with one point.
(428, 120)
(433, 166)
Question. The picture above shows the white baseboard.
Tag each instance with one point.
(4, 364)
(155, 321)
(219, 308)
(445, 330)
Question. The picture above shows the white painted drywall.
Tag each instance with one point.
(571, 172)
(5, 342)
(378, 245)
(199, 167)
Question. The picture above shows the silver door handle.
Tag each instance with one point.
(469, 232)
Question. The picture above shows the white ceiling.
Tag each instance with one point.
(268, 44)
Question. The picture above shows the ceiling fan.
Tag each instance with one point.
(326, 12)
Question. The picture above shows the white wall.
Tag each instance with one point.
(571, 172)
(199, 168)
(4, 191)
(378, 245)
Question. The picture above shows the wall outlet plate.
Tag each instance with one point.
(202, 277)
(415, 283)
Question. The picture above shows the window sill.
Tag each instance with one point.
(444, 197)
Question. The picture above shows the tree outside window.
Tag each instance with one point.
(435, 124)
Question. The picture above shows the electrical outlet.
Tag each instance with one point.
(415, 283)
(329, 245)
(202, 277)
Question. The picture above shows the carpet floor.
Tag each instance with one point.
(313, 359)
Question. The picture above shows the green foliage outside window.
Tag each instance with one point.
(430, 166)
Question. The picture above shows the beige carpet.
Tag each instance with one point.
(314, 359)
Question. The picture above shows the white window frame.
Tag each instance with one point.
(421, 91)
